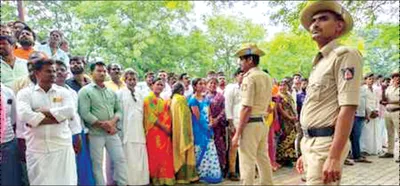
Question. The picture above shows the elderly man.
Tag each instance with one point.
(114, 70)
(47, 110)
(52, 49)
(332, 97)
(11, 67)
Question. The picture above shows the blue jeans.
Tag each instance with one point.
(10, 164)
(355, 136)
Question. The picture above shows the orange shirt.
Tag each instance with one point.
(275, 90)
(23, 54)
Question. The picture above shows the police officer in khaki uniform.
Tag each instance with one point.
(392, 113)
(332, 97)
(256, 92)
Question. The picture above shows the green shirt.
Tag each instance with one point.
(9, 75)
(97, 104)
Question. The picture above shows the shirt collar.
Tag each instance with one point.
(251, 70)
(37, 87)
(328, 48)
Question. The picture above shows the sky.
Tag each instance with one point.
(258, 12)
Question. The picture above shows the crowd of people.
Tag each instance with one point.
(66, 122)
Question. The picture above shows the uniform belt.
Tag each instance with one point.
(319, 132)
(253, 120)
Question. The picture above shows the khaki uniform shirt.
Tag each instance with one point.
(256, 91)
(392, 94)
(334, 82)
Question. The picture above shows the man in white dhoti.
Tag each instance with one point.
(46, 109)
(132, 134)
(371, 139)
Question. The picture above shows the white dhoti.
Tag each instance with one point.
(138, 170)
(53, 168)
(371, 138)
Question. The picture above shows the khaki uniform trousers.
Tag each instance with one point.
(392, 126)
(314, 153)
(253, 151)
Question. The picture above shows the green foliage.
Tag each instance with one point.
(156, 35)
(289, 53)
(226, 35)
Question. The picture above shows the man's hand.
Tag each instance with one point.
(331, 171)
(78, 144)
(231, 127)
(300, 165)
(235, 140)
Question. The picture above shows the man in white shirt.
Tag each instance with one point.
(167, 91)
(10, 165)
(221, 82)
(296, 88)
(145, 86)
(232, 110)
(132, 134)
(52, 50)
(12, 67)
(185, 80)
(47, 109)
(370, 141)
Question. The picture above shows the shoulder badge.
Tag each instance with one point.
(347, 73)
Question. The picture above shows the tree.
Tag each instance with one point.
(227, 34)
(365, 13)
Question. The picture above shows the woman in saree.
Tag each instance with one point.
(217, 119)
(157, 124)
(207, 163)
(182, 137)
(286, 152)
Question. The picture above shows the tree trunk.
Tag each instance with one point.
(20, 6)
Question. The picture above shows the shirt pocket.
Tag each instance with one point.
(315, 91)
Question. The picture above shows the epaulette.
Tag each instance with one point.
(345, 49)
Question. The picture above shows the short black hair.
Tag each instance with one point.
(59, 62)
(18, 21)
(379, 76)
(255, 58)
(98, 63)
(237, 72)
(369, 75)
(59, 33)
(77, 58)
(9, 39)
(38, 65)
(27, 28)
(182, 75)
(297, 74)
(148, 74)
(155, 80)
(304, 79)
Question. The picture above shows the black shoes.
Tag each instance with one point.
(387, 155)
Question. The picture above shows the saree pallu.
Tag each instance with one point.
(183, 141)
(207, 162)
(159, 145)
